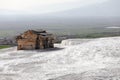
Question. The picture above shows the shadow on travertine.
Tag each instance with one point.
(99, 74)
(46, 50)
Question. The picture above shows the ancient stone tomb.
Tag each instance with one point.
(32, 39)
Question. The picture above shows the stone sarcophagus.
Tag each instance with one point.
(32, 39)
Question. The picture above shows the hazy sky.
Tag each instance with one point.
(26, 7)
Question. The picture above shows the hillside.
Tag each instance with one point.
(95, 59)
(101, 10)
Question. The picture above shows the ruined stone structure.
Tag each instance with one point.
(32, 39)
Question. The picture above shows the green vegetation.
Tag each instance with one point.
(4, 46)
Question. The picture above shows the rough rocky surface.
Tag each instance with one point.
(98, 59)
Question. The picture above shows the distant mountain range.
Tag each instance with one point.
(107, 9)
(103, 14)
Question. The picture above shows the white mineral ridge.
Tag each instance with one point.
(70, 42)
(97, 59)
